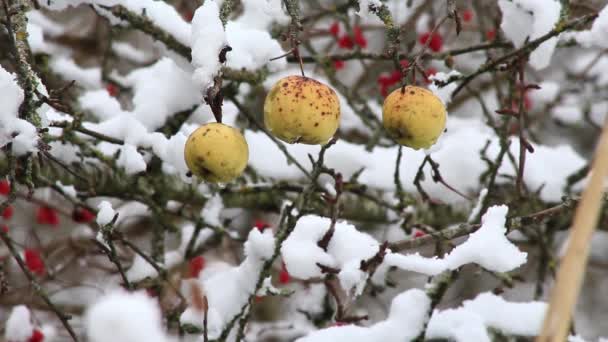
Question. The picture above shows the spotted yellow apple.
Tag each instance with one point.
(216, 152)
(414, 116)
(299, 109)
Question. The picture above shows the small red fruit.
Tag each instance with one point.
(33, 261)
(261, 225)
(338, 64)
(467, 15)
(428, 73)
(436, 42)
(112, 89)
(8, 212)
(334, 29)
(491, 35)
(346, 42)
(188, 16)
(82, 215)
(37, 336)
(359, 37)
(284, 277)
(4, 228)
(46, 215)
(5, 187)
(196, 265)
(418, 233)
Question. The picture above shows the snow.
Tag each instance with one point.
(229, 289)
(208, 39)
(18, 326)
(444, 93)
(522, 19)
(125, 317)
(488, 247)
(212, 210)
(69, 190)
(470, 322)
(141, 269)
(105, 214)
(100, 104)
(364, 7)
(459, 154)
(155, 101)
(89, 78)
(21, 133)
(160, 13)
(546, 94)
(131, 160)
(261, 14)
(346, 249)
(482, 195)
(187, 232)
(252, 49)
(597, 36)
(405, 321)
(130, 52)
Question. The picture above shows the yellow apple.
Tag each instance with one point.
(414, 116)
(216, 152)
(302, 110)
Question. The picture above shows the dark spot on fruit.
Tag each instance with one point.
(285, 84)
(280, 109)
(316, 124)
(412, 92)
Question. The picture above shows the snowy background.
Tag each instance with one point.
(106, 237)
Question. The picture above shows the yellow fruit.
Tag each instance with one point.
(301, 110)
(414, 117)
(216, 152)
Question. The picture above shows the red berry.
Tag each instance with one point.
(527, 102)
(188, 16)
(82, 215)
(4, 228)
(33, 261)
(151, 292)
(395, 77)
(338, 64)
(334, 29)
(346, 42)
(436, 42)
(428, 73)
(404, 63)
(7, 213)
(37, 336)
(284, 277)
(384, 80)
(112, 89)
(467, 15)
(359, 37)
(261, 225)
(491, 35)
(196, 265)
(5, 187)
(46, 215)
(418, 233)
